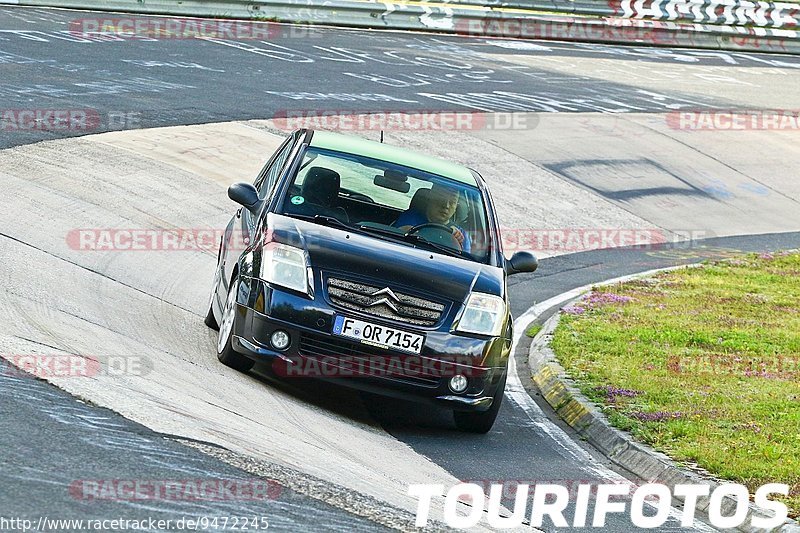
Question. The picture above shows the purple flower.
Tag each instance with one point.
(766, 255)
(612, 393)
(603, 298)
(760, 374)
(593, 300)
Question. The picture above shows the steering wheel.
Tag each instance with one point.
(444, 235)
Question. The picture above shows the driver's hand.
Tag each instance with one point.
(458, 235)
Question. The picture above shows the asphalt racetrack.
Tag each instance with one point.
(150, 82)
(337, 460)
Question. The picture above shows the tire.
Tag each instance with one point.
(481, 422)
(225, 352)
(210, 320)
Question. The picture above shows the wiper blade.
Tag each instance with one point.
(324, 220)
(382, 231)
(416, 239)
(412, 237)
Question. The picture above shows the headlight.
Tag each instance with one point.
(285, 266)
(484, 315)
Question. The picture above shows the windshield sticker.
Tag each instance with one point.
(297, 200)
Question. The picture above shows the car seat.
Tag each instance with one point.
(321, 188)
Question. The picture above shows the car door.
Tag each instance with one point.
(242, 227)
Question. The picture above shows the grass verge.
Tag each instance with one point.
(533, 330)
(702, 364)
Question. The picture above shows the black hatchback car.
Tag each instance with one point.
(373, 266)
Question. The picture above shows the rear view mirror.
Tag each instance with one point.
(521, 262)
(246, 195)
(391, 179)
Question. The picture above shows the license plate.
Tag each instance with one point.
(377, 335)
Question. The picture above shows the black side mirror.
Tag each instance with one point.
(521, 262)
(246, 195)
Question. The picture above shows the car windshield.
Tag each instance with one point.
(390, 202)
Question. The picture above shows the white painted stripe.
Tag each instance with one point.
(517, 393)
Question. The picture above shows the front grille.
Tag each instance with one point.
(359, 359)
(361, 297)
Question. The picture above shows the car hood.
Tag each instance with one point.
(370, 257)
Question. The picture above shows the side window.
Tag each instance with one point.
(266, 180)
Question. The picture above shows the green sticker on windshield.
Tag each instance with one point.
(297, 200)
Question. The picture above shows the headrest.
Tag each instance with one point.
(321, 186)
(462, 210)
(419, 202)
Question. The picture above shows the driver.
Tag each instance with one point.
(439, 209)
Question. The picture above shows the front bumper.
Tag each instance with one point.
(314, 352)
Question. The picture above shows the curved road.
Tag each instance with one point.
(139, 82)
(133, 83)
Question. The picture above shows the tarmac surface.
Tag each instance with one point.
(137, 82)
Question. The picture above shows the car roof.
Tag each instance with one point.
(384, 152)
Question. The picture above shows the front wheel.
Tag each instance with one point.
(225, 352)
(481, 422)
